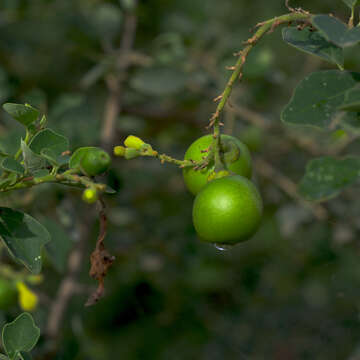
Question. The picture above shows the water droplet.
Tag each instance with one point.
(223, 247)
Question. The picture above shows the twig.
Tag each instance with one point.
(67, 286)
(115, 81)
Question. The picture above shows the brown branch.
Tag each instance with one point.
(67, 286)
(115, 81)
(289, 187)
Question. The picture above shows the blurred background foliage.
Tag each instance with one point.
(292, 292)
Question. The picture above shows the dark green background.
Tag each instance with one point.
(292, 292)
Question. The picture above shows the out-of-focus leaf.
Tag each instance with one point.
(351, 101)
(107, 20)
(20, 335)
(59, 246)
(312, 42)
(317, 98)
(23, 236)
(326, 177)
(336, 31)
(25, 114)
(351, 3)
(158, 81)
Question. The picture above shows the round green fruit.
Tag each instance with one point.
(8, 294)
(227, 210)
(239, 164)
(95, 162)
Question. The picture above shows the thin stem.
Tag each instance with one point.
(263, 29)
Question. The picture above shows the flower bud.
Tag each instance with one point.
(133, 142)
(119, 151)
(28, 300)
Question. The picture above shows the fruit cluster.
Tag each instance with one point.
(227, 207)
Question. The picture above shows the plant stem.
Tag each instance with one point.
(263, 29)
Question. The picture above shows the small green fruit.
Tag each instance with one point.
(239, 164)
(227, 210)
(95, 162)
(90, 196)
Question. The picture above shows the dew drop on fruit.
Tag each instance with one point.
(223, 247)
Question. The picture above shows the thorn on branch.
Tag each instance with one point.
(218, 98)
(232, 68)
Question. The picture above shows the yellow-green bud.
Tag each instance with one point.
(133, 142)
(27, 298)
(119, 151)
(131, 153)
(90, 196)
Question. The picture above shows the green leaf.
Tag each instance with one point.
(312, 42)
(107, 20)
(351, 3)
(336, 31)
(48, 139)
(60, 245)
(326, 177)
(24, 237)
(25, 114)
(158, 81)
(55, 160)
(351, 101)
(76, 157)
(32, 161)
(317, 98)
(20, 335)
(3, 357)
(11, 165)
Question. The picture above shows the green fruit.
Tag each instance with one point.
(195, 180)
(227, 210)
(90, 196)
(8, 293)
(94, 162)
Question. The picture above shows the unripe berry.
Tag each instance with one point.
(90, 196)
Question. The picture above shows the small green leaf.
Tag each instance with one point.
(11, 165)
(312, 42)
(25, 114)
(20, 335)
(326, 177)
(351, 3)
(336, 31)
(76, 157)
(317, 98)
(48, 139)
(32, 161)
(23, 236)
